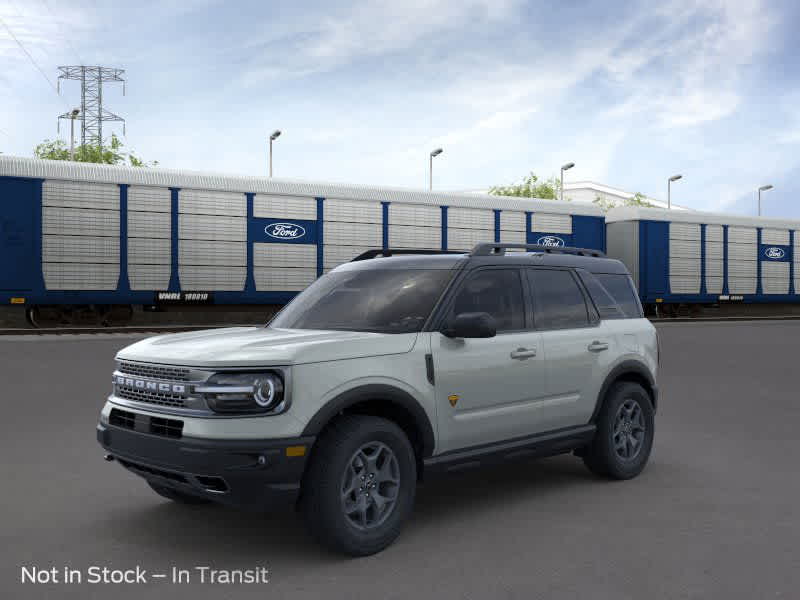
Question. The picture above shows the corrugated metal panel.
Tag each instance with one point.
(415, 214)
(64, 170)
(76, 276)
(513, 237)
(205, 227)
(742, 235)
(284, 207)
(353, 211)
(742, 285)
(204, 202)
(512, 220)
(550, 223)
(635, 213)
(714, 250)
(285, 255)
(411, 236)
(80, 249)
(75, 194)
(333, 256)
(220, 254)
(684, 266)
(714, 285)
(149, 225)
(283, 280)
(470, 218)
(742, 252)
(465, 239)
(684, 249)
(149, 251)
(200, 278)
(80, 221)
(684, 284)
(775, 236)
(352, 234)
(149, 277)
(742, 268)
(149, 199)
(622, 240)
(684, 231)
(714, 267)
(775, 276)
(714, 233)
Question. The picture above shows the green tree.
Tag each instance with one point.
(606, 204)
(530, 187)
(111, 154)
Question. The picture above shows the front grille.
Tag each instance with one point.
(154, 371)
(166, 427)
(160, 398)
(122, 418)
(171, 428)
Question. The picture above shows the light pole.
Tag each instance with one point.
(669, 183)
(275, 135)
(565, 167)
(72, 115)
(436, 152)
(763, 188)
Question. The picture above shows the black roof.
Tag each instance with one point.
(437, 259)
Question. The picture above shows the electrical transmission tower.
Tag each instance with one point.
(92, 113)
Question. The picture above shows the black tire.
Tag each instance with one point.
(606, 455)
(333, 468)
(175, 495)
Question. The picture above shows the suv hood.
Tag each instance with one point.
(262, 346)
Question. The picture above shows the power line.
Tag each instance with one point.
(30, 57)
(66, 31)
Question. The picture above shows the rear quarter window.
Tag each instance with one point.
(621, 288)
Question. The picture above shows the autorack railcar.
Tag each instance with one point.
(99, 239)
(694, 259)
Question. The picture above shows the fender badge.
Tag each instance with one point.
(453, 398)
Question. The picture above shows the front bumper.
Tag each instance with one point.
(250, 474)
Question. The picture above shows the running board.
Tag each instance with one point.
(540, 446)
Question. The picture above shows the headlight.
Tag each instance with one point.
(244, 393)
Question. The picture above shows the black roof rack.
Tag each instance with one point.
(399, 251)
(487, 249)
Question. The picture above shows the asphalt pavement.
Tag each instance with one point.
(715, 514)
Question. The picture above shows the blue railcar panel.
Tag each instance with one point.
(123, 285)
(775, 252)
(589, 232)
(19, 260)
(250, 280)
(283, 231)
(653, 260)
(174, 278)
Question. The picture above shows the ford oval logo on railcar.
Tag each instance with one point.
(550, 240)
(774, 253)
(285, 231)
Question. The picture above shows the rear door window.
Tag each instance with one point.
(558, 301)
(494, 291)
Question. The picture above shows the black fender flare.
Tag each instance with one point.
(381, 392)
(627, 367)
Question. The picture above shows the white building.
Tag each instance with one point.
(588, 191)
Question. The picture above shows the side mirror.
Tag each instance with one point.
(471, 325)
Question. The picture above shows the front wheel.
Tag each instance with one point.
(360, 486)
(624, 437)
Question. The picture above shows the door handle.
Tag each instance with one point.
(523, 353)
(596, 346)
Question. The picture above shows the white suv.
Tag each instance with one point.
(391, 366)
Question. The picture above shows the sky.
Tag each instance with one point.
(632, 92)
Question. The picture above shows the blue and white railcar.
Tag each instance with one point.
(82, 234)
(687, 257)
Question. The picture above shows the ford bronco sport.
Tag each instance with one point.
(389, 367)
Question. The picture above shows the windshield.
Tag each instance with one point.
(380, 300)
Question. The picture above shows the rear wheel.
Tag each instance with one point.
(360, 485)
(175, 495)
(625, 429)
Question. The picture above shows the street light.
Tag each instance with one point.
(763, 188)
(669, 183)
(436, 152)
(72, 116)
(566, 167)
(275, 135)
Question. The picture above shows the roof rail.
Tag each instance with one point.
(399, 251)
(487, 249)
